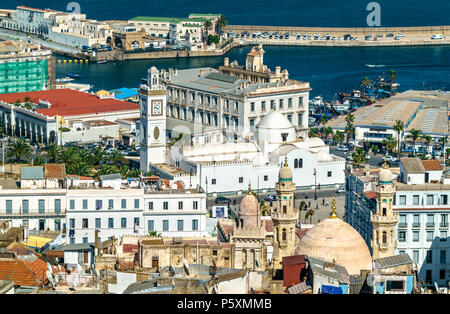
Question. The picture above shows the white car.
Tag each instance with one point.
(342, 149)
(436, 36)
(340, 190)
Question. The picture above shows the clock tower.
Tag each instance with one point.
(153, 121)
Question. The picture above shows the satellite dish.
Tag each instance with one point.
(56, 277)
(172, 270)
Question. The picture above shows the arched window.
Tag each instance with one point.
(284, 235)
(284, 209)
(384, 237)
(300, 163)
(384, 211)
(244, 257)
(295, 163)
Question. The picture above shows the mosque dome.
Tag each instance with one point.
(285, 172)
(275, 128)
(385, 175)
(103, 93)
(334, 239)
(249, 213)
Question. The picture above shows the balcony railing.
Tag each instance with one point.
(37, 214)
(416, 225)
(402, 225)
(430, 225)
(443, 224)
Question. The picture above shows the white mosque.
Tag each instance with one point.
(227, 166)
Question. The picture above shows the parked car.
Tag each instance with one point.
(342, 149)
(270, 198)
(390, 158)
(340, 190)
(222, 200)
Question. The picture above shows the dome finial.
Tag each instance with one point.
(333, 208)
(385, 166)
(285, 161)
(249, 189)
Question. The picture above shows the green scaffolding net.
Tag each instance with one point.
(26, 76)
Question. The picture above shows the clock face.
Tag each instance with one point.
(156, 107)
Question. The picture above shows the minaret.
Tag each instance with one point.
(153, 100)
(284, 217)
(384, 220)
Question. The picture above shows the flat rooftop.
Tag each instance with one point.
(423, 110)
(69, 102)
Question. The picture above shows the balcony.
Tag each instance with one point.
(32, 214)
(416, 225)
(430, 225)
(443, 224)
(402, 225)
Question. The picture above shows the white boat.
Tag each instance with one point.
(317, 101)
(341, 107)
(64, 80)
(374, 65)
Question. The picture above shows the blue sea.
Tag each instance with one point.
(329, 70)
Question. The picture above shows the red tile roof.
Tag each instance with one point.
(18, 271)
(74, 177)
(293, 260)
(431, 165)
(130, 248)
(68, 102)
(370, 194)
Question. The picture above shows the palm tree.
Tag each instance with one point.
(393, 75)
(366, 82)
(116, 158)
(338, 137)
(313, 132)
(374, 149)
(414, 135)
(221, 22)
(349, 129)
(207, 25)
(399, 126)
(69, 156)
(39, 161)
(97, 156)
(309, 215)
(359, 156)
(79, 169)
(18, 150)
(154, 234)
(389, 143)
(53, 152)
(264, 208)
(106, 169)
(427, 139)
(134, 173)
(327, 131)
(323, 120)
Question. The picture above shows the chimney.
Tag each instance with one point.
(175, 72)
(277, 71)
(202, 72)
(226, 62)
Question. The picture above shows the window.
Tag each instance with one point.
(329, 174)
(443, 256)
(266, 178)
(180, 205)
(444, 220)
(428, 275)
(213, 181)
(110, 223)
(98, 223)
(402, 200)
(281, 103)
(136, 203)
(430, 199)
(151, 225)
(85, 204)
(136, 222)
(443, 236)
(195, 204)
(416, 236)
(442, 274)
(416, 257)
(415, 199)
(41, 205)
(8, 206)
(150, 205)
(72, 204)
(72, 240)
(394, 285)
(165, 205)
(444, 199)
(416, 220)
(165, 225)
(57, 224)
(402, 221)
(85, 240)
(429, 259)
(252, 123)
(194, 224)
(57, 205)
(289, 117)
(290, 103)
(98, 204)
(41, 224)
(72, 223)
(430, 220)
(110, 204)
(252, 106)
(25, 206)
(85, 223)
(123, 223)
(430, 236)
(123, 203)
(402, 236)
(180, 225)
(241, 179)
(272, 105)
(300, 119)
(263, 106)
(300, 101)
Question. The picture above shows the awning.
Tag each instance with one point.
(331, 290)
(36, 242)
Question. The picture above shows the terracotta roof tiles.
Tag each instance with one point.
(19, 272)
(431, 165)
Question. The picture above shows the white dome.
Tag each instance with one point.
(275, 128)
(274, 120)
(315, 141)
